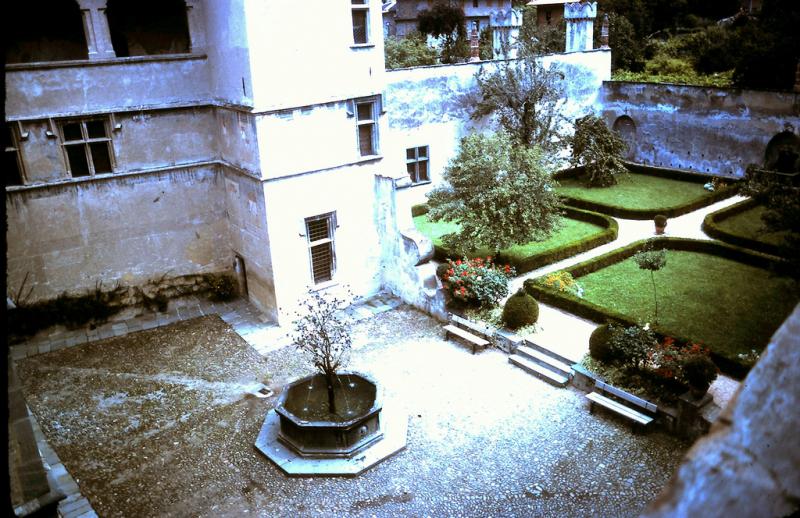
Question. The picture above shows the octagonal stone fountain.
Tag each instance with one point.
(303, 439)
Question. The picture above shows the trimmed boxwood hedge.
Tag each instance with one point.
(599, 314)
(712, 228)
(643, 214)
(609, 233)
(419, 210)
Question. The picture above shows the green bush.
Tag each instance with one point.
(441, 270)
(699, 371)
(600, 343)
(411, 51)
(520, 310)
(632, 344)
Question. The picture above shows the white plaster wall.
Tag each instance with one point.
(302, 53)
(349, 191)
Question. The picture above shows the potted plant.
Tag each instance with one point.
(699, 372)
(661, 223)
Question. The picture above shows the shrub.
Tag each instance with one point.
(632, 345)
(520, 310)
(699, 371)
(441, 270)
(600, 343)
(563, 282)
(411, 51)
(599, 150)
(223, 287)
(477, 281)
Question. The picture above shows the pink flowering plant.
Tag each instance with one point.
(478, 281)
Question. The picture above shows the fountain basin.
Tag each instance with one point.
(308, 428)
(303, 439)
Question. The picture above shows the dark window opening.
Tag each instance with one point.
(360, 21)
(783, 153)
(367, 134)
(12, 164)
(44, 30)
(417, 164)
(148, 27)
(319, 231)
(87, 146)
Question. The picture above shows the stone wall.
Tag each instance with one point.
(748, 464)
(709, 130)
(129, 228)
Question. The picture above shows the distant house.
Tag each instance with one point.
(548, 12)
(401, 16)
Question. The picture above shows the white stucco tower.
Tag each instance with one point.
(580, 25)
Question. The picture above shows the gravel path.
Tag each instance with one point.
(156, 423)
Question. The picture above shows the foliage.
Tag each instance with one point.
(563, 282)
(477, 281)
(526, 99)
(720, 80)
(321, 332)
(411, 51)
(653, 261)
(520, 310)
(445, 20)
(628, 53)
(631, 345)
(600, 343)
(536, 40)
(699, 371)
(500, 195)
(486, 44)
(599, 150)
(781, 199)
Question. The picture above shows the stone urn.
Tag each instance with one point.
(660, 224)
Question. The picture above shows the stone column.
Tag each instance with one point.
(95, 27)
(580, 25)
(474, 44)
(197, 29)
(604, 33)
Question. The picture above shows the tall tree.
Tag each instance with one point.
(499, 193)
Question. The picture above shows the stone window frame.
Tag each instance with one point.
(367, 119)
(321, 248)
(413, 161)
(360, 8)
(87, 142)
(12, 146)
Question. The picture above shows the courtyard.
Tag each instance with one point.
(160, 422)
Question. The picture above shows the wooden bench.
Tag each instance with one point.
(467, 331)
(636, 409)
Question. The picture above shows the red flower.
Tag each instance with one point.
(458, 263)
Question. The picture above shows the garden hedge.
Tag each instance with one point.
(712, 228)
(599, 314)
(527, 264)
(642, 214)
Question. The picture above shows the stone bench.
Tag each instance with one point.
(635, 409)
(473, 334)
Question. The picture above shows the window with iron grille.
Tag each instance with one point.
(360, 10)
(12, 163)
(367, 128)
(417, 164)
(319, 231)
(87, 146)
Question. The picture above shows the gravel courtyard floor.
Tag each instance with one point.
(158, 423)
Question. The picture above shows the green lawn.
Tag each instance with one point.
(748, 224)
(729, 306)
(636, 191)
(571, 231)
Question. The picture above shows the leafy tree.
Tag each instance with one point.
(653, 261)
(411, 51)
(499, 194)
(536, 40)
(321, 332)
(526, 98)
(446, 20)
(599, 150)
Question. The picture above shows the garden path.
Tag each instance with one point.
(568, 334)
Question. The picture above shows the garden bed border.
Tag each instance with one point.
(711, 227)
(596, 313)
(532, 262)
(644, 214)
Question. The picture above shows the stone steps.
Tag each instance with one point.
(546, 365)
